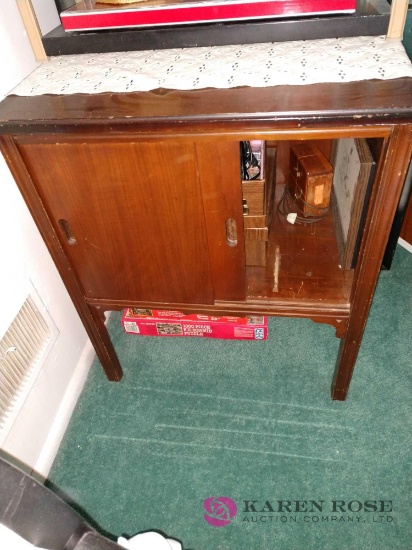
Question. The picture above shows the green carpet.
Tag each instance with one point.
(252, 421)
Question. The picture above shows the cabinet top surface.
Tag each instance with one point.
(362, 80)
(370, 102)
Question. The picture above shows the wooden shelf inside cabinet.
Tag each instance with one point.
(302, 261)
(291, 252)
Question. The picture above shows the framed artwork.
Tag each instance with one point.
(354, 170)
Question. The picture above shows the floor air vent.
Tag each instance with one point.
(23, 350)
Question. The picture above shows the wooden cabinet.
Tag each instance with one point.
(139, 200)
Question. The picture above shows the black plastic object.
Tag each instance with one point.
(62, 5)
(41, 517)
(249, 165)
(371, 19)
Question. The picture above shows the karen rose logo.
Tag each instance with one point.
(219, 511)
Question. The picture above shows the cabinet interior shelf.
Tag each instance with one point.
(301, 280)
(303, 263)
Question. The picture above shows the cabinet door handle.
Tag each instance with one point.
(231, 232)
(65, 227)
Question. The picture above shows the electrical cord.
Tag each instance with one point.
(288, 205)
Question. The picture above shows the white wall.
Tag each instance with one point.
(25, 260)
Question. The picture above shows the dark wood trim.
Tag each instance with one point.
(213, 110)
(234, 131)
(333, 314)
(264, 307)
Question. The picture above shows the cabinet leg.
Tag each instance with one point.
(103, 346)
(383, 204)
(345, 364)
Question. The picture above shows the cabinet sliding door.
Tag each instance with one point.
(130, 216)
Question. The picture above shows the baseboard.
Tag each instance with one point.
(405, 244)
(62, 419)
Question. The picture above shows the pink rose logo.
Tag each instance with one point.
(219, 511)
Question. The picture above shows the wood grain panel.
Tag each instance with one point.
(135, 213)
(219, 170)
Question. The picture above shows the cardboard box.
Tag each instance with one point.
(146, 322)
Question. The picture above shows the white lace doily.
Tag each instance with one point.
(299, 62)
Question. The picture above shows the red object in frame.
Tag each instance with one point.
(90, 15)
